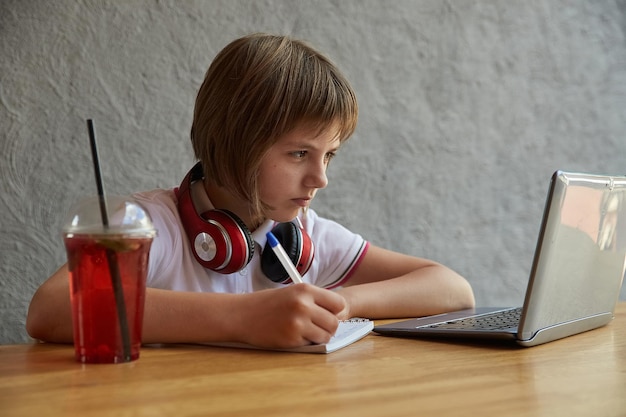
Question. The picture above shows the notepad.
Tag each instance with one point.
(348, 332)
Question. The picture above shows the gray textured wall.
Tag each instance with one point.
(467, 107)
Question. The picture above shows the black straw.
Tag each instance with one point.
(96, 168)
(113, 266)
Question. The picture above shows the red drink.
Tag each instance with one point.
(97, 329)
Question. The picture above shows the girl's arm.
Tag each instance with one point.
(292, 316)
(388, 284)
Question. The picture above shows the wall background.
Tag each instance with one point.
(467, 107)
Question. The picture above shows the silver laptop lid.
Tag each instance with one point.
(580, 257)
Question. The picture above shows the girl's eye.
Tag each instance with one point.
(302, 154)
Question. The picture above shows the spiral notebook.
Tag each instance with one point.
(348, 332)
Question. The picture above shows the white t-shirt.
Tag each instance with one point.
(172, 265)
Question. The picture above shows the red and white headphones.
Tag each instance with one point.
(220, 240)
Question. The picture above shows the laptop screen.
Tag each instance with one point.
(580, 258)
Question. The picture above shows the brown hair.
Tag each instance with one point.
(257, 89)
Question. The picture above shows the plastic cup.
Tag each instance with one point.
(107, 270)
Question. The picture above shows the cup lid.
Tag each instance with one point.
(125, 216)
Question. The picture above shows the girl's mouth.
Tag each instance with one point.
(302, 202)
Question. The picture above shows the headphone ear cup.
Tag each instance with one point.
(230, 240)
(297, 245)
(219, 240)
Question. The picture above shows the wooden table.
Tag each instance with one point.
(584, 375)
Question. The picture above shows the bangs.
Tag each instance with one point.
(320, 97)
(280, 83)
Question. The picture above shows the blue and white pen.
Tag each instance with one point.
(284, 258)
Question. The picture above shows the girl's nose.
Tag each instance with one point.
(316, 177)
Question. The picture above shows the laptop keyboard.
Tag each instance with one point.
(493, 321)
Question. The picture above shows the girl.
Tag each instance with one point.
(270, 115)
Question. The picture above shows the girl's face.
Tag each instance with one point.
(294, 169)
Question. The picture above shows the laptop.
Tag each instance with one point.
(576, 275)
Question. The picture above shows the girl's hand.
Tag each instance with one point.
(293, 316)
